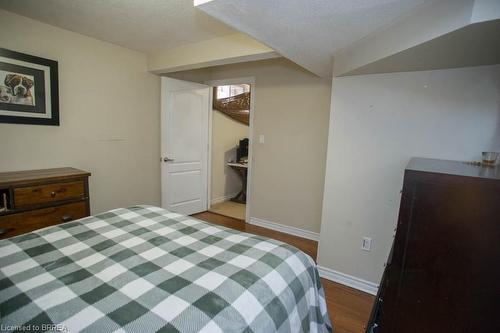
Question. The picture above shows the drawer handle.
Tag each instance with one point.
(5, 230)
(52, 194)
(67, 218)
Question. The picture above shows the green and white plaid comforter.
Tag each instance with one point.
(145, 269)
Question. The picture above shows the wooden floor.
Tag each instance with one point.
(349, 308)
(229, 208)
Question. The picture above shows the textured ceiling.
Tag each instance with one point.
(143, 25)
(473, 45)
(309, 32)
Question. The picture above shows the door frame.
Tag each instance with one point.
(224, 82)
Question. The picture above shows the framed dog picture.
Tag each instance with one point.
(29, 91)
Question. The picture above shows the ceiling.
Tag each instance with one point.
(143, 25)
(322, 27)
(473, 45)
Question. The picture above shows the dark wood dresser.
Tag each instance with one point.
(443, 273)
(35, 199)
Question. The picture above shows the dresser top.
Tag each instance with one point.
(29, 176)
(455, 168)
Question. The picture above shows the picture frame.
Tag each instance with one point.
(29, 89)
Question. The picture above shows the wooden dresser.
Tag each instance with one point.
(443, 274)
(35, 199)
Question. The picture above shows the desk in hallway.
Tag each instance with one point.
(242, 171)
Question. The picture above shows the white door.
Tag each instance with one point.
(184, 145)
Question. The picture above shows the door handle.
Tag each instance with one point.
(66, 218)
(166, 159)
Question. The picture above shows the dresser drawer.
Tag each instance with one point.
(41, 194)
(16, 224)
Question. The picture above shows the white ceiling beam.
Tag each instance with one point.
(224, 50)
(442, 34)
(429, 22)
(345, 37)
(309, 32)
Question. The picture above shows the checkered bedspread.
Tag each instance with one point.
(145, 269)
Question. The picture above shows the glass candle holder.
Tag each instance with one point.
(490, 157)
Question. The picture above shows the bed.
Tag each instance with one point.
(145, 269)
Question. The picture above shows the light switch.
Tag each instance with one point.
(261, 138)
(366, 245)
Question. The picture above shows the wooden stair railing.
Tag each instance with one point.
(237, 107)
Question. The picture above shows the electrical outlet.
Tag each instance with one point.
(366, 244)
(261, 138)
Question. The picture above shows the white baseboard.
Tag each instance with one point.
(284, 228)
(222, 199)
(348, 280)
(327, 273)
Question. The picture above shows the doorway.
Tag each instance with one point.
(230, 150)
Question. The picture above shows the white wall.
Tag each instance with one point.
(377, 123)
(109, 111)
(226, 133)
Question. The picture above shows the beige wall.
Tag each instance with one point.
(292, 112)
(226, 133)
(109, 108)
(378, 123)
(292, 109)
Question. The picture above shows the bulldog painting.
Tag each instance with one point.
(17, 89)
(28, 89)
